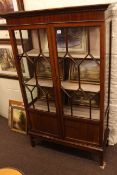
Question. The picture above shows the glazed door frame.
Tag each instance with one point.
(53, 70)
(101, 26)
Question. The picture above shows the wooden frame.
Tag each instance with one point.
(17, 117)
(86, 134)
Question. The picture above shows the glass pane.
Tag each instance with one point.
(33, 55)
(31, 93)
(79, 63)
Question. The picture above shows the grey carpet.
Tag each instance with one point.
(49, 159)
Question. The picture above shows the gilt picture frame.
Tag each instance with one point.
(17, 117)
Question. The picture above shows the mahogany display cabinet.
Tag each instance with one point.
(64, 74)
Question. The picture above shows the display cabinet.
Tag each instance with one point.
(67, 82)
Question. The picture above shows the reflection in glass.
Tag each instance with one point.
(89, 71)
(43, 69)
(80, 88)
(36, 70)
(76, 38)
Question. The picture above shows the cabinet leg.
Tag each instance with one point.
(101, 157)
(32, 141)
(102, 163)
(107, 143)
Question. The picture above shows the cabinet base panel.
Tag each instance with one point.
(81, 146)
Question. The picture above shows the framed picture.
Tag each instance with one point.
(7, 63)
(4, 35)
(76, 38)
(84, 100)
(17, 117)
(43, 68)
(89, 71)
(10, 6)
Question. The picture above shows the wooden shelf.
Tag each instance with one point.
(75, 55)
(77, 111)
(82, 112)
(68, 85)
(36, 52)
(41, 82)
(42, 106)
(33, 53)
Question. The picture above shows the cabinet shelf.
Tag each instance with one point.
(68, 85)
(42, 106)
(36, 52)
(76, 55)
(41, 82)
(77, 112)
(82, 112)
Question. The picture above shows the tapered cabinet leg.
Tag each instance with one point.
(32, 141)
(107, 143)
(101, 159)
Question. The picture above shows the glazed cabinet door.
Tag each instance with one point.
(37, 79)
(79, 59)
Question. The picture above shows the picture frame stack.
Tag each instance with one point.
(7, 63)
(17, 120)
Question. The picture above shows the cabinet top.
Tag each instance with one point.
(54, 11)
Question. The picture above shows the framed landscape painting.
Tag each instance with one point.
(17, 116)
(89, 71)
(18, 119)
(43, 68)
(74, 37)
(7, 63)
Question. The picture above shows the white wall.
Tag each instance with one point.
(45, 4)
(9, 89)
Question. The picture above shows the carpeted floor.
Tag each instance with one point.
(49, 159)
